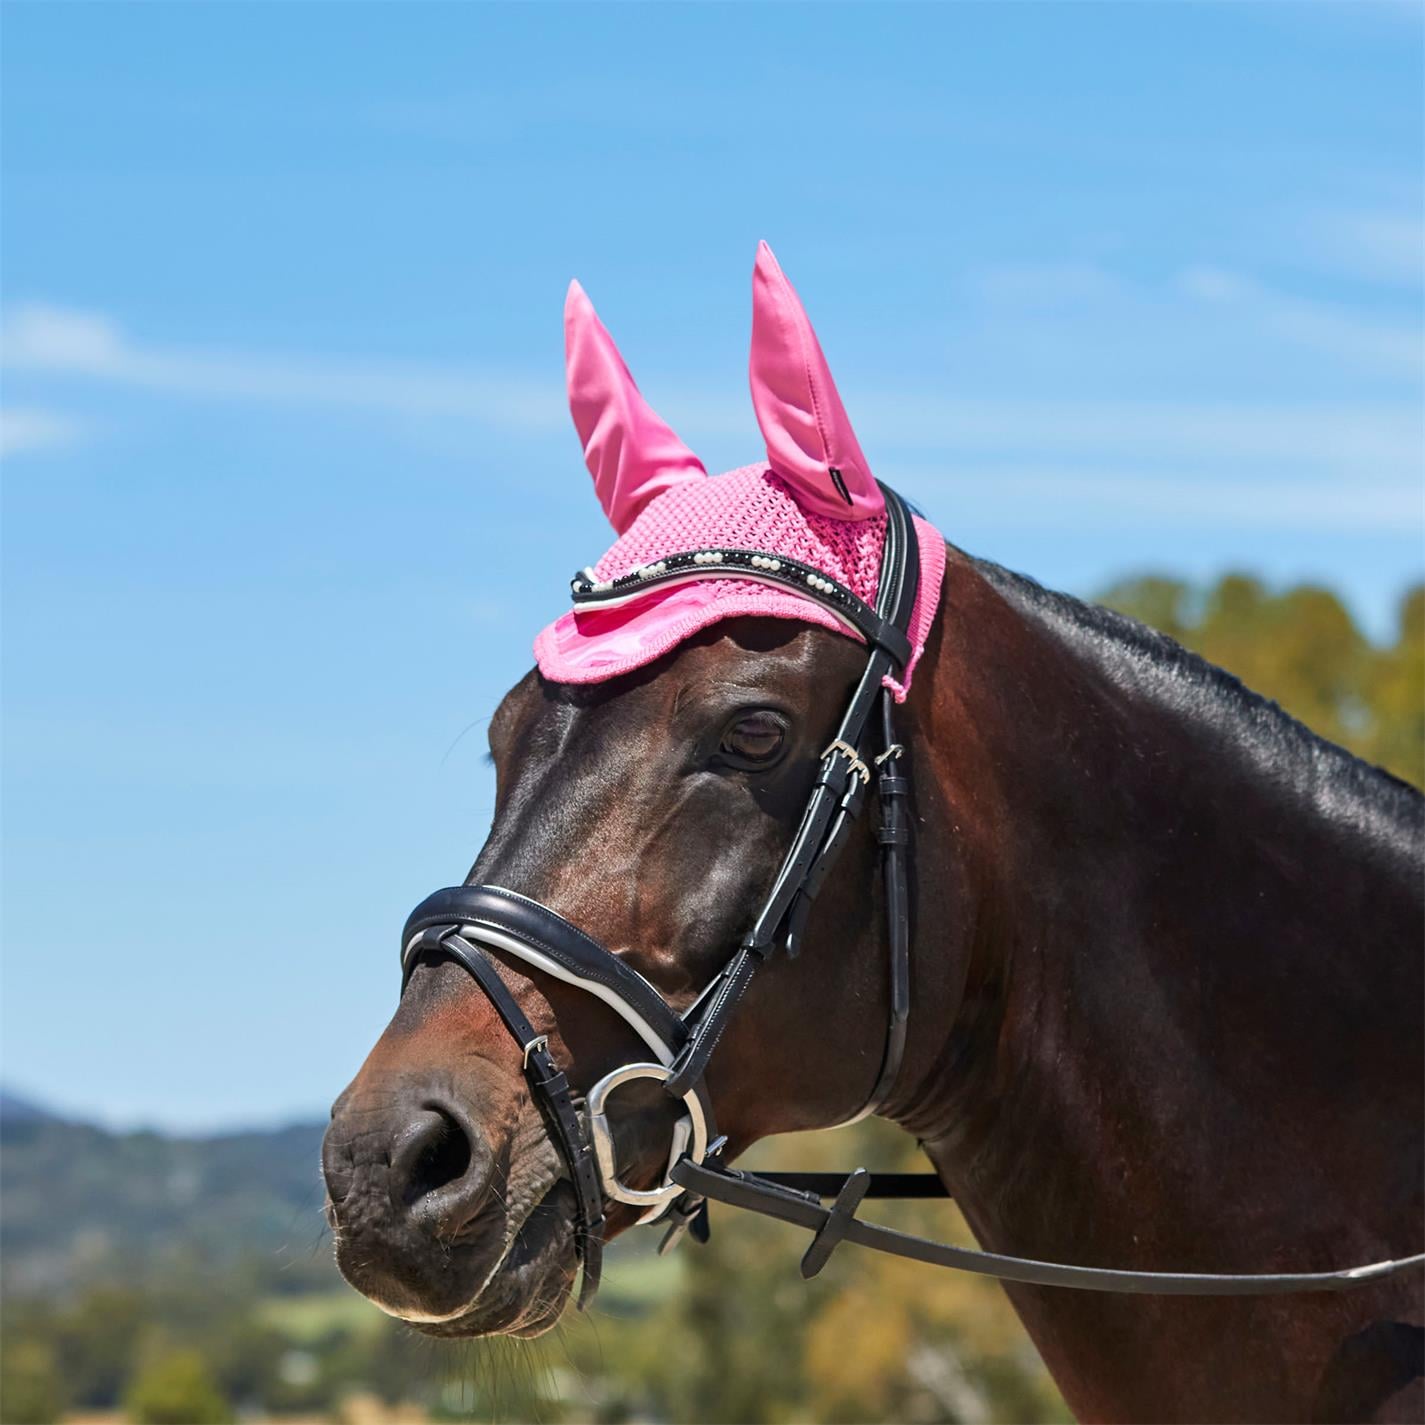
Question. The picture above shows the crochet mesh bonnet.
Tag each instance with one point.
(813, 499)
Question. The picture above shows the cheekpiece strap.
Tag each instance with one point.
(825, 826)
(549, 1087)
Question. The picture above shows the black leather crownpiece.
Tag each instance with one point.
(834, 804)
(893, 837)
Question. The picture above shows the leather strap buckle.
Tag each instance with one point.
(849, 753)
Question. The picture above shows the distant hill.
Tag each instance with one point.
(80, 1205)
(16, 1108)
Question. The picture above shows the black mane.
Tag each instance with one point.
(1133, 654)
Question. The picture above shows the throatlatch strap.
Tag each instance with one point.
(893, 835)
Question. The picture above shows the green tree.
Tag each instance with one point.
(1161, 603)
(739, 1336)
(1301, 648)
(176, 1389)
(31, 1391)
(97, 1339)
(1397, 695)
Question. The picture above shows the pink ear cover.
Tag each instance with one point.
(810, 442)
(750, 508)
(632, 455)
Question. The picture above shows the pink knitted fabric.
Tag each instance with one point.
(748, 508)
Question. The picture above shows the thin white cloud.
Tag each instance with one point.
(1072, 497)
(1044, 284)
(1360, 436)
(1309, 465)
(1380, 439)
(62, 342)
(1390, 346)
(28, 430)
(1381, 245)
(1379, 436)
(1029, 300)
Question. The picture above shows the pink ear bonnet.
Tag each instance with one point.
(813, 501)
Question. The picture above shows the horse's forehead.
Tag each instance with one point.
(772, 657)
(756, 652)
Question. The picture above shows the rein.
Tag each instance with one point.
(465, 923)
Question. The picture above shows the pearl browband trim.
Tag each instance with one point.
(751, 564)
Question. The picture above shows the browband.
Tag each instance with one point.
(756, 566)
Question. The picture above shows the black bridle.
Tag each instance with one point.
(465, 923)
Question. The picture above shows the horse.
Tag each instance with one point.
(1163, 954)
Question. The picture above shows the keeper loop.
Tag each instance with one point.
(831, 1232)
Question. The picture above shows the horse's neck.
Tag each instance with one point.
(1183, 983)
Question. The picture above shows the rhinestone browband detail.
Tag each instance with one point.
(774, 568)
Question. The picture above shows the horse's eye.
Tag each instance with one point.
(754, 739)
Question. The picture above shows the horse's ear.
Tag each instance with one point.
(630, 452)
(810, 443)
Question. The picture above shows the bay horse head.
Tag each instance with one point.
(1164, 944)
(652, 774)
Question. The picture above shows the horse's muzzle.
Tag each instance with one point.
(426, 1218)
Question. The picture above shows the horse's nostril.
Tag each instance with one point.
(430, 1153)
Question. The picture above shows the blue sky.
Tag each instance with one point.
(289, 483)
